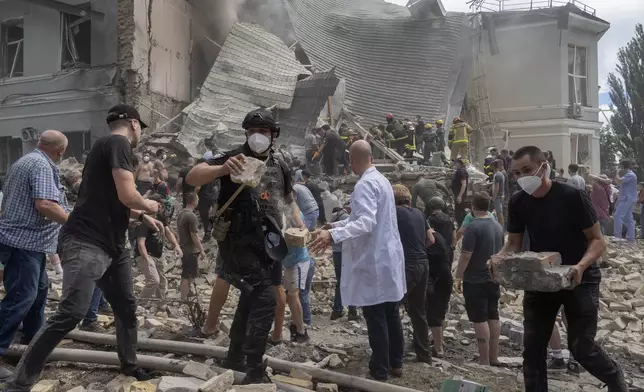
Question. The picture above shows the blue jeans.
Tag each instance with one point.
(26, 284)
(98, 300)
(624, 216)
(310, 219)
(304, 295)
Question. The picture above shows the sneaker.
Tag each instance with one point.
(398, 373)
(257, 375)
(354, 316)
(300, 337)
(557, 364)
(94, 326)
(293, 330)
(336, 315)
(573, 367)
(138, 373)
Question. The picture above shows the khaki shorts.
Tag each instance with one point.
(295, 278)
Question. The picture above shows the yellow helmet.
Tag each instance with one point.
(428, 126)
(439, 122)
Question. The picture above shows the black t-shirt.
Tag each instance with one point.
(99, 217)
(438, 256)
(153, 241)
(443, 224)
(458, 176)
(555, 223)
(332, 140)
(185, 187)
(317, 195)
(412, 227)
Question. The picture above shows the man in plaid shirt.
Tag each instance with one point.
(32, 212)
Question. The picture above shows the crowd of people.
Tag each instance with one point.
(388, 250)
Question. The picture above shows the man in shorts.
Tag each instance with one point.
(188, 227)
(483, 238)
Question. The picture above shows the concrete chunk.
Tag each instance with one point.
(296, 237)
(198, 370)
(45, 386)
(618, 324)
(619, 306)
(220, 383)
(79, 388)
(322, 387)
(256, 388)
(252, 174)
(142, 386)
(119, 382)
(179, 384)
(531, 271)
(300, 374)
(293, 381)
(152, 323)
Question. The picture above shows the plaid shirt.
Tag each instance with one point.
(34, 176)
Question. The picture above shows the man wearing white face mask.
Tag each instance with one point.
(247, 263)
(559, 218)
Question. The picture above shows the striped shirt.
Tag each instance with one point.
(34, 176)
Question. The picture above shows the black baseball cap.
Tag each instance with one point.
(123, 112)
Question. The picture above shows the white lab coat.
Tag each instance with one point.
(373, 263)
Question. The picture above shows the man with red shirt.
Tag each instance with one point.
(600, 197)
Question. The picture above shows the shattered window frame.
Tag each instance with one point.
(73, 56)
(11, 52)
(578, 75)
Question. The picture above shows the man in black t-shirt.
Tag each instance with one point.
(247, 263)
(92, 249)
(559, 218)
(460, 178)
(181, 181)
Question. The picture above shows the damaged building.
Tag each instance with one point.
(68, 61)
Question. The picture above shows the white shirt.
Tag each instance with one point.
(578, 182)
(373, 263)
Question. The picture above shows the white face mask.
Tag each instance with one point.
(530, 184)
(146, 159)
(259, 143)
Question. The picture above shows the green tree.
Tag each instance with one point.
(608, 149)
(627, 96)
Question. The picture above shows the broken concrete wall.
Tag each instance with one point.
(154, 56)
(253, 69)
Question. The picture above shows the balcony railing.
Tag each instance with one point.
(525, 5)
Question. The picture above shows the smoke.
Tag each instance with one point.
(270, 14)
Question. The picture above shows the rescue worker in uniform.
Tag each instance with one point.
(492, 156)
(429, 143)
(459, 136)
(250, 263)
(440, 135)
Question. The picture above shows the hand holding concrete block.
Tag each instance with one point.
(531, 271)
(252, 174)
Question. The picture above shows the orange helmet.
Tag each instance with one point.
(390, 116)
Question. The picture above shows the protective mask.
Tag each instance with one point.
(530, 184)
(259, 143)
(163, 157)
(146, 159)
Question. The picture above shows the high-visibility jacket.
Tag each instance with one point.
(460, 132)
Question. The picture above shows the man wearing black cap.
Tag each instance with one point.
(247, 263)
(92, 249)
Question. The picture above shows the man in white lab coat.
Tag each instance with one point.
(373, 268)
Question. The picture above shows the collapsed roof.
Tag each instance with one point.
(253, 69)
(392, 62)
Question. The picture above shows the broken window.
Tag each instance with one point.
(11, 48)
(577, 75)
(580, 148)
(77, 38)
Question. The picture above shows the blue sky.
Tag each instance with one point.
(621, 14)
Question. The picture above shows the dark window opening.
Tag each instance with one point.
(77, 39)
(11, 48)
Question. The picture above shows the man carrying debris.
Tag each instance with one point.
(92, 246)
(483, 238)
(191, 247)
(250, 222)
(415, 236)
(426, 189)
(571, 230)
(372, 252)
(30, 219)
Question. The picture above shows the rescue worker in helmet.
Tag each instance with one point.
(493, 155)
(459, 137)
(251, 245)
(429, 142)
(440, 135)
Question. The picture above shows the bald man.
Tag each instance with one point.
(32, 212)
(371, 252)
